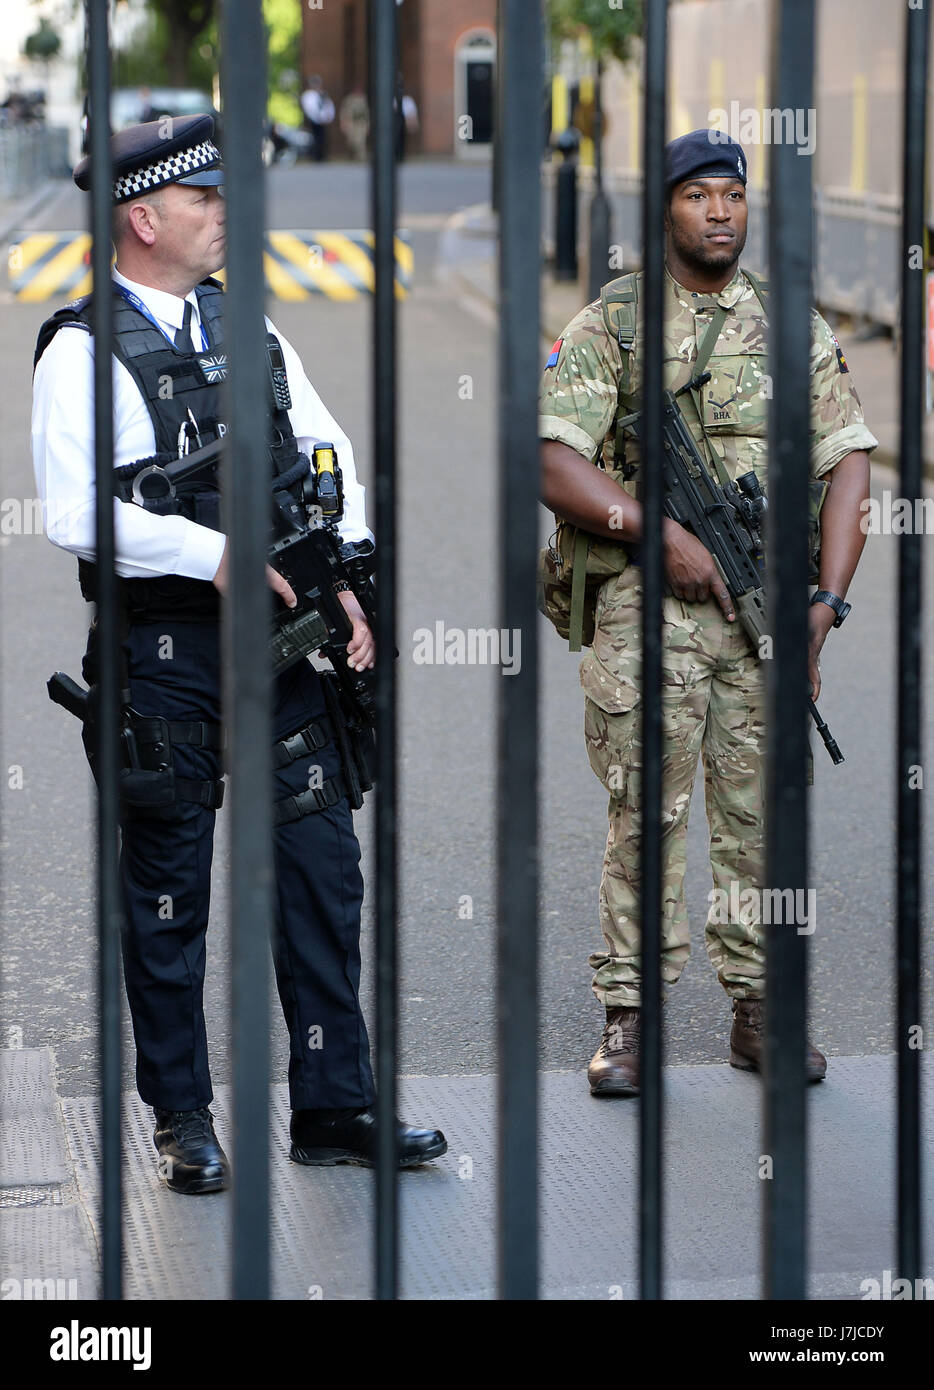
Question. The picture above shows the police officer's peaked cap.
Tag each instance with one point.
(171, 150)
(704, 154)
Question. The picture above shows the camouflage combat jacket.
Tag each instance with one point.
(580, 391)
(579, 387)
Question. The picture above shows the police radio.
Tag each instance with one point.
(281, 396)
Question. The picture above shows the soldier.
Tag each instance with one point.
(713, 700)
(169, 233)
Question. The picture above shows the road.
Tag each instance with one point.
(448, 719)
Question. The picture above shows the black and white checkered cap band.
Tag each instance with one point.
(168, 170)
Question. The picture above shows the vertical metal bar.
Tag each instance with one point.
(910, 598)
(520, 75)
(786, 858)
(383, 65)
(653, 262)
(246, 615)
(108, 758)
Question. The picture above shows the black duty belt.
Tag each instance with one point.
(150, 729)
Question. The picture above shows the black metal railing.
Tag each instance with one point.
(247, 681)
(520, 75)
(109, 901)
(245, 647)
(650, 1098)
(910, 627)
(786, 847)
(383, 50)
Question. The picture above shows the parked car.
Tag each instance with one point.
(129, 105)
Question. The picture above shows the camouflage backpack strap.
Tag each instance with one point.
(619, 301)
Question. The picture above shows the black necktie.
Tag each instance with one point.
(183, 335)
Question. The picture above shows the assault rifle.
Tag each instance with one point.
(307, 550)
(727, 520)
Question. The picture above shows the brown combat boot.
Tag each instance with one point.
(614, 1068)
(746, 1041)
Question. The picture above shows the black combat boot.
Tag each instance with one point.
(322, 1138)
(190, 1158)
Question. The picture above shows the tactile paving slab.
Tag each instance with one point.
(32, 1146)
(321, 1219)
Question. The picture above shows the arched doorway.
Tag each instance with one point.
(474, 73)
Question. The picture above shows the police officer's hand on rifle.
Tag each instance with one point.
(275, 581)
(361, 649)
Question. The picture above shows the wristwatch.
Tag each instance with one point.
(837, 604)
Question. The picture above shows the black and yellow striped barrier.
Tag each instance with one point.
(339, 265)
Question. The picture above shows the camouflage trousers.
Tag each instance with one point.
(713, 705)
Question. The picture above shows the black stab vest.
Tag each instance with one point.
(172, 384)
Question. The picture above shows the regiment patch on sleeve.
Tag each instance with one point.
(555, 351)
(841, 360)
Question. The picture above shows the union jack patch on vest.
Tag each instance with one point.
(214, 368)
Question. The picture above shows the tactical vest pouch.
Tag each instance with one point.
(572, 568)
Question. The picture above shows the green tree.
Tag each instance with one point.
(611, 24)
(183, 24)
(43, 44)
(159, 56)
(284, 37)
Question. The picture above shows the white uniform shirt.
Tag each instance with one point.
(63, 451)
(317, 106)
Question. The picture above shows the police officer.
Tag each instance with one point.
(713, 701)
(169, 364)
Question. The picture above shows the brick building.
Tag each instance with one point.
(447, 55)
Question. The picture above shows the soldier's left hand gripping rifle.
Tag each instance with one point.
(727, 520)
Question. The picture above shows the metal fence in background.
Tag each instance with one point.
(30, 154)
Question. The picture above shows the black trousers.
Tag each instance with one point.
(165, 869)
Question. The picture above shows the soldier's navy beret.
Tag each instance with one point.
(704, 154)
(171, 150)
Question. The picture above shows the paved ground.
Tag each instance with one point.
(448, 487)
(321, 1219)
